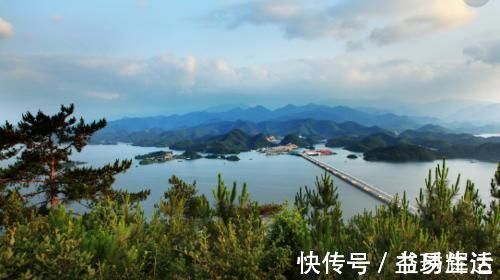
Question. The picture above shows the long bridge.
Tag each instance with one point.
(355, 182)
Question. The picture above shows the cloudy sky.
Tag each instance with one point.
(143, 57)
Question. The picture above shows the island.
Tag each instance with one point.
(228, 158)
(232, 158)
(155, 157)
(189, 155)
(164, 156)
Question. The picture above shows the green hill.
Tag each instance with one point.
(424, 144)
(233, 142)
(295, 139)
(400, 153)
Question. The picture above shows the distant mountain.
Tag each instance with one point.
(321, 128)
(433, 129)
(308, 128)
(165, 123)
(476, 129)
(337, 114)
(225, 107)
(478, 114)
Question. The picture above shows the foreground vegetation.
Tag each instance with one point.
(188, 237)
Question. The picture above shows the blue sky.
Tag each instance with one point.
(145, 57)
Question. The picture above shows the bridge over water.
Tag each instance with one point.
(357, 183)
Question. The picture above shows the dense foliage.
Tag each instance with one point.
(400, 153)
(233, 142)
(425, 144)
(296, 140)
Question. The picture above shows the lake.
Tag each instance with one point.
(278, 178)
(488, 135)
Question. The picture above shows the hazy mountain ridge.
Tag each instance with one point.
(260, 114)
(318, 128)
(360, 130)
(251, 120)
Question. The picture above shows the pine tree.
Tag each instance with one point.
(435, 203)
(228, 204)
(495, 184)
(493, 217)
(321, 208)
(43, 171)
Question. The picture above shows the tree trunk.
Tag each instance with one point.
(53, 200)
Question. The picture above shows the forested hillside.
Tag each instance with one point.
(425, 144)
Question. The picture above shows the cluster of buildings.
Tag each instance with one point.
(294, 149)
(309, 152)
(279, 150)
(272, 139)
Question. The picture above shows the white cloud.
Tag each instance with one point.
(387, 21)
(425, 18)
(103, 95)
(296, 19)
(6, 29)
(169, 79)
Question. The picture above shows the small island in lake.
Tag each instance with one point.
(189, 155)
(232, 158)
(155, 157)
(164, 156)
(217, 156)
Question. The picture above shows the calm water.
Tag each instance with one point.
(488, 135)
(278, 178)
(410, 177)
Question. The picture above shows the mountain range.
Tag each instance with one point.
(260, 114)
(318, 120)
(323, 129)
(380, 135)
